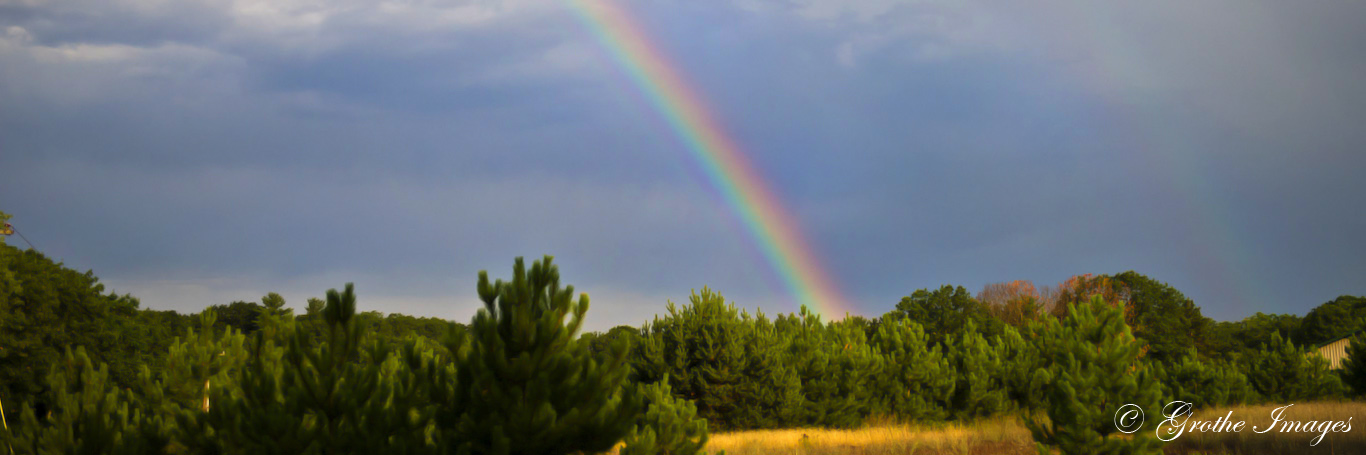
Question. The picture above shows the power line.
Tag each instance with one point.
(21, 235)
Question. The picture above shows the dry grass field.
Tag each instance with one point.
(1007, 436)
(1277, 441)
(995, 436)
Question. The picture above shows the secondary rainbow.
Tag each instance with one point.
(721, 159)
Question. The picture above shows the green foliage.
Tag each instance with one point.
(332, 397)
(727, 363)
(1094, 369)
(1162, 317)
(525, 386)
(1019, 360)
(602, 342)
(1232, 340)
(947, 311)
(917, 381)
(1202, 383)
(1235, 340)
(980, 389)
(239, 315)
(256, 378)
(1333, 319)
(669, 425)
(45, 308)
(1282, 372)
(86, 414)
(835, 366)
(1354, 366)
(193, 365)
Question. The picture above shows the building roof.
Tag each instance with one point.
(1335, 340)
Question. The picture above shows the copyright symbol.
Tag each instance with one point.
(1129, 418)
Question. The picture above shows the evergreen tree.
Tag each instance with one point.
(1164, 318)
(1200, 383)
(1019, 360)
(1333, 319)
(669, 425)
(1354, 366)
(1094, 370)
(857, 366)
(945, 311)
(769, 394)
(726, 362)
(1282, 372)
(332, 397)
(834, 364)
(87, 413)
(194, 365)
(917, 381)
(980, 390)
(524, 386)
(46, 308)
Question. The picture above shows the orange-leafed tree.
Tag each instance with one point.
(1079, 289)
(1016, 303)
(1162, 317)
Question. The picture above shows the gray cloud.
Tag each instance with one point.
(211, 151)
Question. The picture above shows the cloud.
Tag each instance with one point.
(197, 150)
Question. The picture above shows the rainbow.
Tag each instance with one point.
(721, 159)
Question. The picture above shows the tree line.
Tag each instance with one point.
(84, 370)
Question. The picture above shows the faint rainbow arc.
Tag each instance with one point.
(721, 159)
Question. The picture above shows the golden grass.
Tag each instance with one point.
(1275, 441)
(1007, 436)
(994, 436)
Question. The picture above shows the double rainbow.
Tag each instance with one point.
(723, 161)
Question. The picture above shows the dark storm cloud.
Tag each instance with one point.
(197, 152)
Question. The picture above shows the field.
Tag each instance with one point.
(1006, 435)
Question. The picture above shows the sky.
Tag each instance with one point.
(196, 152)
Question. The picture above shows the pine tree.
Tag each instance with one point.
(1199, 383)
(524, 386)
(834, 364)
(770, 392)
(857, 365)
(917, 381)
(1019, 361)
(726, 362)
(297, 396)
(979, 390)
(1094, 370)
(87, 414)
(669, 425)
(1283, 372)
(1354, 367)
